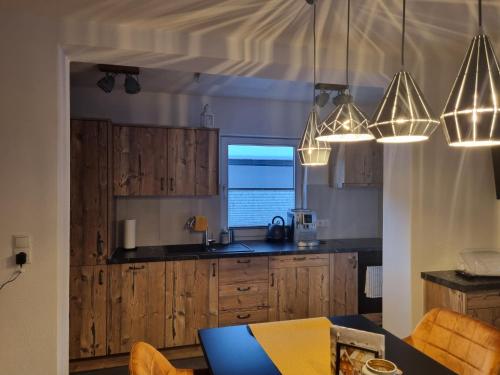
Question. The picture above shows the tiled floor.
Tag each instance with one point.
(195, 363)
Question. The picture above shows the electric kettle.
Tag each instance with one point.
(276, 232)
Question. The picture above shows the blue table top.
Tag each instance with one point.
(234, 351)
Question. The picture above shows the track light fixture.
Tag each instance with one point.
(107, 83)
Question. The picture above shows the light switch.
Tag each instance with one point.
(22, 243)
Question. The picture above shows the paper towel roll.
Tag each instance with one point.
(129, 234)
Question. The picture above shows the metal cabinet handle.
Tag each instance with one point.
(135, 268)
(101, 277)
(162, 183)
(100, 244)
(299, 258)
(241, 289)
(243, 261)
(272, 279)
(213, 269)
(243, 316)
(140, 165)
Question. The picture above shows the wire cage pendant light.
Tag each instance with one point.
(313, 152)
(471, 116)
(403, 115)
(346, 123)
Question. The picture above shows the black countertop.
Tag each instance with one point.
(240, 249)
(451, 280)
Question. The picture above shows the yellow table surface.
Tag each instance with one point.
(297, 347)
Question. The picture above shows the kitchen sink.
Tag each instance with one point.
(231, 248)
(199, 248)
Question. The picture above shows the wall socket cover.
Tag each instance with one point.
(22, 243)
(323, 223)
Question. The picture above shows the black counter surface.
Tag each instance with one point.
(239, 249)
(451, 280)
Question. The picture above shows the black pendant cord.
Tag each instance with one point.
(347, 45)
(403, 35)
(480, 13)
(314, 53)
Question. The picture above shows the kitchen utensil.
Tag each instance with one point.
(276, 232)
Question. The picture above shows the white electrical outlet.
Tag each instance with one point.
(323, 223)
(22, 243)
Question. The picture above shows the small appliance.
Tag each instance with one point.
(480, 262)
(276, 232)
(302, 223)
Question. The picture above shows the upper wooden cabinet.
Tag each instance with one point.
(89, 194)
(191, 300)
(298, 286)
(207, 162)
(344, 284)
(357, 164)
(87, 311)
(155, 161)
(140, 160)
(136, 305)
(181, 161)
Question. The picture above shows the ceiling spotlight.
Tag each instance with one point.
(107, 83)
(322, 98)
(132, 85)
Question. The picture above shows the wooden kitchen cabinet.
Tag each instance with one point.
(181, 161)
(357, 165)
(191, 300)
(87, 311)
(298, 286)
(136, 309)
(344, 284)
(483, 305)
(139, 161)
(89, 240)
(207, 162)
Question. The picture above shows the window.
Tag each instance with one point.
(261, 184)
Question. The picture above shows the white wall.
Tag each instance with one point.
(352, 212)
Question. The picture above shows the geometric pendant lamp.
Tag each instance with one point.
(471, 117)
(311, 151)
(403, 116)
(346, 123)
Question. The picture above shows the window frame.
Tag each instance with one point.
(225, 141)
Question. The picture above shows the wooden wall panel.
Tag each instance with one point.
(89, 242)
(87, 311)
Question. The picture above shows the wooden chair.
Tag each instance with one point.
(146, 360)
(464, 345)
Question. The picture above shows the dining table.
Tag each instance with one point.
(234, 350)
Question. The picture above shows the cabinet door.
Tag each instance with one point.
(192, 300)
(87, 311)
(140, 161)
(88, 193)
(181, 161)
(363, 163)
(298, 292)
(207, 162)
(136, 309)
(344, 284)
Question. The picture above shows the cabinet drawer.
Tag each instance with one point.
(298, 260)
(481, 300)
(243, 269)
(242, 301)
(230, 318)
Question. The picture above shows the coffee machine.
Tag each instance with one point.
(302, 224)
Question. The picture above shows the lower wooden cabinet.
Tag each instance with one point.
(87, 311)
(483, 305)
(191, 300)
(343, 284)
(299, 287)
(136, 310)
